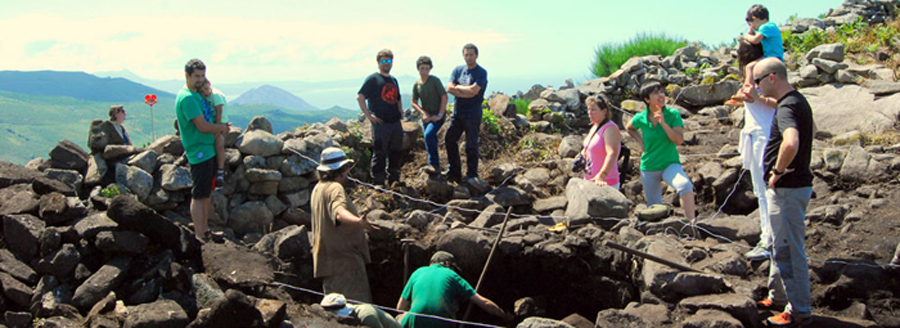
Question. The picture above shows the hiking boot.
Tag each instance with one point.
(758, 253)
(453, 177)
(786, 319)
(431, 170)
(216, 237)
(768, 304)
(220, 180)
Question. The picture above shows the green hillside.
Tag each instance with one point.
(77, 85)
(31, 125)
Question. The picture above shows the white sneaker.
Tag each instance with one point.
(758, 253)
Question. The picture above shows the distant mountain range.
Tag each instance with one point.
(38, 109)
(271, 95)
(78, 85)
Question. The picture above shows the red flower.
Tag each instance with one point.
(150, 100)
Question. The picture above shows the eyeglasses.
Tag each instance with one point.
(759, 79)
(386, 61)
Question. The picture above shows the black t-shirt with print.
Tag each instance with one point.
(793, 111)
(383, 96)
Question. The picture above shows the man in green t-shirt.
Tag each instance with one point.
(198, 138)
(437, 290)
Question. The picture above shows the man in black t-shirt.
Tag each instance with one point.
(384, 110)
(786, 159)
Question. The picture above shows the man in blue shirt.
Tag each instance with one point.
(467, 84)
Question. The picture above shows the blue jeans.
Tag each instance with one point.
(468, 121)
(673, 175)
(431, 142)
(386, 151)
(789, 268)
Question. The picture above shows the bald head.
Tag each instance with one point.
(771, 65)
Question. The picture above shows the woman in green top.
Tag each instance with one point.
(429, 89)
(661, 130)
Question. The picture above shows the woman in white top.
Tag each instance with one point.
(758, 114)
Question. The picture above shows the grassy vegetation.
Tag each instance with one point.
(490, 121)
(858, 38)
(522, 106)
(610, 56)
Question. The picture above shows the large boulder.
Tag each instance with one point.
(162, 313)
(708, 95)
(741, 307)
(250, 217)
(175, 178)
(134, 216)
(99, 284)
(259, 142)
(588, 200)
(96, 170)
(412, 131)
(11, 174)
(147, 161)
(102, 133)
(470, 247)
(135, 179)
(237, 266)
(500, 106)
(70, 178)
(831, 51)
(656, 275)
(22, 235)
(67, 155)
(570, 146)
(18, 199)
(840, 109)
(259, 123)
(168, 144)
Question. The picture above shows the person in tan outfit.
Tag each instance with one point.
(340, 249)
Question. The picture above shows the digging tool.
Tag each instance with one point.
(488, 263)
(650, 257)
(405, 244)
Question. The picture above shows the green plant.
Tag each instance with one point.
(110, 192)
(693, 72)
(610, 56)
(488, 119)
(522, 106)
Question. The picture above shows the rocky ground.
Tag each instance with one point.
(102, 237)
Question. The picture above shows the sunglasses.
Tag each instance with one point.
(386, 61)
(759, 79)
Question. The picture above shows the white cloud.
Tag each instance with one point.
(236, 49)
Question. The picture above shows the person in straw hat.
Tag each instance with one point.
(340, 251)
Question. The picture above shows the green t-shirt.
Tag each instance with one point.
(434, 290)
(431, 93)
(659, 151)
(198, 146)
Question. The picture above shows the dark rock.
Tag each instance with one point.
(23, 234)
(15, 268)
(58, 322)
(90, 226)
(18, 199)
(711, 318)
(250, 217)
(550, 204)
(11, 174)
(509, 196)
(692, 284)
(707, 95)
(615, 318)
(15, 290)
(538, 322)
(18, 319)
(127, 242)
(490, 216)
(144, 291)
(294, 244)
(60, 263)
(470, 247)
(114, 152)
(71, 178)
(741, 307)
(273, 312)
(98, 285)
(205, 290)
(102, 133)
(234, 310)
(69, 156)
(53, 208)
(164, 313)
(134, 216)
(168, 144)
(236, 266)
(586, 199)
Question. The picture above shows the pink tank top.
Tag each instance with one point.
(595, 149)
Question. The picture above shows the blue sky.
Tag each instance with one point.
(248, 41)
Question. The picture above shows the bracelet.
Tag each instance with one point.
(775, 171)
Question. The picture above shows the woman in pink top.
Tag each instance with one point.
(601, 145)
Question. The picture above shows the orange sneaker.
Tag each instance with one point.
(786, 319)
(768, 303)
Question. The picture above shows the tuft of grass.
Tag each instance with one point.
(522, 106)
(610, 56)
(858, 38)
